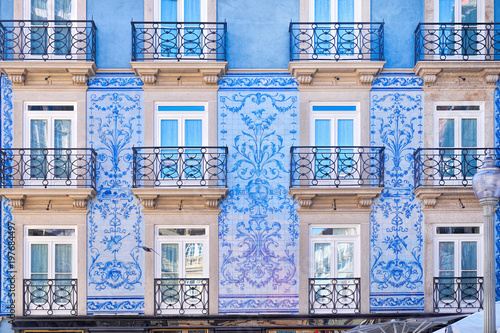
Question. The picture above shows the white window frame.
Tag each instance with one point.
(332, 239)
(334, 10)
(159, 240)
(180, 10)
(52, 241)
(458, 13)
(334, 116)
(457, 116)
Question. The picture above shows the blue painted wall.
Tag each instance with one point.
(6, 9)
(497, 11)
(257, 35)
(401, 17)
(114, 32)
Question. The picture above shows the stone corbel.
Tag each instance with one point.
(305, 76)
(305, 200)
(491, 77)
(17, 77)
(148, 77)
(429, 199)
(429, 75)
(17, 202)
(365, 77)
(80, 200)
(211, 76)
(149, 202)
(81, 75)
(211, 201)
(364, 201)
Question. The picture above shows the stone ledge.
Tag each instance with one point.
(180, 198)
(174, 73)
(451, 196)
(310, 72)
(335, 198)
(48, 73)
(432, 72)
(54, 197)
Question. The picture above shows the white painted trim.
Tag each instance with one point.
(358, 6)
(334, 116)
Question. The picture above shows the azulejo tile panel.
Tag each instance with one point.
(258, 225)
(497, 215)
(7, 278)
(396, 222)
(115, 222)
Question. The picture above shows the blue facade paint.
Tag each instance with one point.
(114, 32)
(401, 18)
(257, 32)
(6, 9)
(497, 11)
(115, 223)
(258, 225)
(396, 222)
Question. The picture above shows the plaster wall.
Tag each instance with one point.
(6, 9)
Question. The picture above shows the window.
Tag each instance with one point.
(459, 11)
(49, 132)
(185, 39)
(335, 130)
(456, 265)
(50, 269)
(182, 270)
(50, 38)
(180, 127)
(458, 125)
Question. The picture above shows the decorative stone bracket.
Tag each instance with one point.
(179, 198)
(335, 198)
(19, 196)
(433, 195)
(478, 71)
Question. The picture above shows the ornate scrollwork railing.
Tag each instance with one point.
(336, 166)
(327, 295)
(337, 41)
(47, 40)
(50, 297)
(457, 41)
(178, 40)
(179, 166)
(448, 166)
(31, 167)
(458, 294)
(185, 296)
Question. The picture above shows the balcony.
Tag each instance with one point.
(457, 41)
(181, 296)
(458, 294)
(50, 297)
(337, 41)
(48, 167)
(334, 295)
(47, 40)
(180, 173)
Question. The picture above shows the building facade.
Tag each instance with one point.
(220, 166)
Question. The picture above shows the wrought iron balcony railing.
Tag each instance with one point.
(179, 166)
(448, 166)
(47, 167)
(458, 294)
(336, 166)
(178, 41)
(48, 40)
(457, 41)
(183, 296)
(50, 297)
(337, 41)
(334, 295)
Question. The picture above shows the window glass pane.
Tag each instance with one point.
(169, 133)
(322, 260)
(63, 259)
(446, 132)
(194, 260)
(62, 133)
(345, 135)
(446, 11)
(469, 133)
(469, 256)
(51, 232)
(50, 108)
(192, 11)
(457, 230)
(322, 132)
(322, 11)
(469, 11)
(345, 259)
(333, 231)
(346, 10)
(457, 108)
(62, 10)
(193, 135)
(38, 131)
(169, 10)
(39, 261)
(446, 256)
(169, 260)
(181, 232)
(39, 10)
